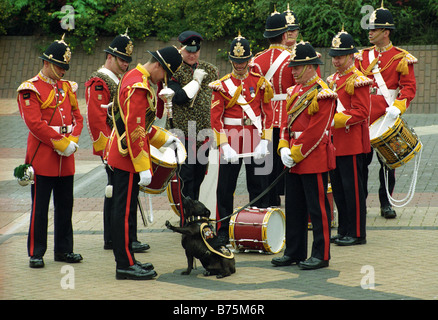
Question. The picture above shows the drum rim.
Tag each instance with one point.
(385, 134)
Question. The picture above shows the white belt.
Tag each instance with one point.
(393, 93)
(238, 121)
(279, 97)
(297, 134)
(62, 129)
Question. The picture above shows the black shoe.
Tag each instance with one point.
(335, 237)
(313, 263)
(108, 245)
(145, 266)
(68, 257)
(350, 241)
(36, 262)
(137, 246)
(283, 261)
(135, 272)
(388, 212)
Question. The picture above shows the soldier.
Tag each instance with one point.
(393, 88)
(191, 110)
(272, 64)
(49, 108)
(241, 118)
(133, 113)
(351, 139)
(293, 27)
(305, 147)
(100, 90)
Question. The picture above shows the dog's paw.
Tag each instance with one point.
(168, 225)
(185, 273)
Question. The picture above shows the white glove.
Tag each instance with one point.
(393, 111)
(145, 178)
(261, 150)
(230, 155)
(71, 148)
(171, 140)
(199, 75)
(286, 157)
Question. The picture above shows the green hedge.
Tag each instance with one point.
(416, 20)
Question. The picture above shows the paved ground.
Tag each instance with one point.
(399, 262)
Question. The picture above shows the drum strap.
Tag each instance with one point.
(389, 98)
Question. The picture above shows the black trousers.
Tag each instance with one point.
(277, 168)
(256, 183)
(124, 216)
(307, 194)
(349, 195)
(383, 197)
(41, 190)
(194, 169)
(107, 206)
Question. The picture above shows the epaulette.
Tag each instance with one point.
(409, 57)
(290, 90)
(74, 86)
(28, 85)
(325, 92)
(141, 85)
(330, 78)
(216, 85)
(361, 80)
(359, 55)
(255, 74)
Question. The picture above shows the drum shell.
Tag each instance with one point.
(249, 229)
(397, 145)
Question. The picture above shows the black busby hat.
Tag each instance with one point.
(58, 53)
(169, 58)
(291, 19)
(275, 25)
(240, 50)
(342, 44)
(121, 47)
(302, 54)
(381, 19)
(191, 39)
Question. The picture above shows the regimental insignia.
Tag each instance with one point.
(67, 55)
(239, 50)
(129, 48)
(290, 19)
(336, 42)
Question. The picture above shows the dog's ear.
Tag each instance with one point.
(207, 212)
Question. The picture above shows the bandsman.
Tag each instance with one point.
(394, 86)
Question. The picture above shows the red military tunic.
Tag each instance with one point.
(397, 70)
(97, 96)
(229, 121)
(39, 99)
(280, 80)
(351, 133)
(136, 98)
(308, 135)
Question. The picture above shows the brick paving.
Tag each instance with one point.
(397, 263)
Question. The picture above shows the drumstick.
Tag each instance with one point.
(248, 154)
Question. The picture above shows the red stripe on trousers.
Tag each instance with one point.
(325, 226)
(127, 209)
(32, 222)
(356, 194)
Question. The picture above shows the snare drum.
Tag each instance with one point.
(258, 229)
(393, 141)
(164, 165)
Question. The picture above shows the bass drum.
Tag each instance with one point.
(258, 229)
(174, 195)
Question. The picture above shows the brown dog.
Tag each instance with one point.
(199, 241)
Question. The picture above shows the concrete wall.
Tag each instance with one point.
(19, 61)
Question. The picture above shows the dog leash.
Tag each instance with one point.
(286, 169)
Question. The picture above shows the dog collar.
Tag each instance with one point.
(195, 218)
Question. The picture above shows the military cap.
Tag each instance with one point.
(121, 47)
(169, 57)
(291, 19)
(381, 19)
(240, 50)
(58, 53)
(342, 44)
(303, 54)
(190, 39)
(275, 25)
